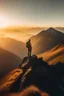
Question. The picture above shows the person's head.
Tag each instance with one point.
(29, 40)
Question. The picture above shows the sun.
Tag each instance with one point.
(3, 25)
(4, 22)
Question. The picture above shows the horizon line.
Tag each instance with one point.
(20, 26)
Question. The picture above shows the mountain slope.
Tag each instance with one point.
(54, 55)
(60, 29)
(7, 81)
(47, 78)
(12, 45)
(8, 61)
(46, 40)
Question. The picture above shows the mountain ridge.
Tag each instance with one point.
(46, 39)
(14, 46)
(8, 61)
(55, 55)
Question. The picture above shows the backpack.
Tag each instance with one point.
(27, 44)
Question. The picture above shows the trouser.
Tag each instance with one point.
(29, 53)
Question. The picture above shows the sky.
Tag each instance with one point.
(39, 13)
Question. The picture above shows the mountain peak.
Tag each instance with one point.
(51, 29)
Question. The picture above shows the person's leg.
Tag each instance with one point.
(30, 53)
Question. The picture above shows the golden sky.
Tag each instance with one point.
(42, 13)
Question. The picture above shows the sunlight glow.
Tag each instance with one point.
(4, 22)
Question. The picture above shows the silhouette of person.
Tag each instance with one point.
(29, 46)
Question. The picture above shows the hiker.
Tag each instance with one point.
(28, 45)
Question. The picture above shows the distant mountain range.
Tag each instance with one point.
(60, 29)
(8, 61)
(43, 41)
(46, 40)
(21, 34)
(12, 45)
